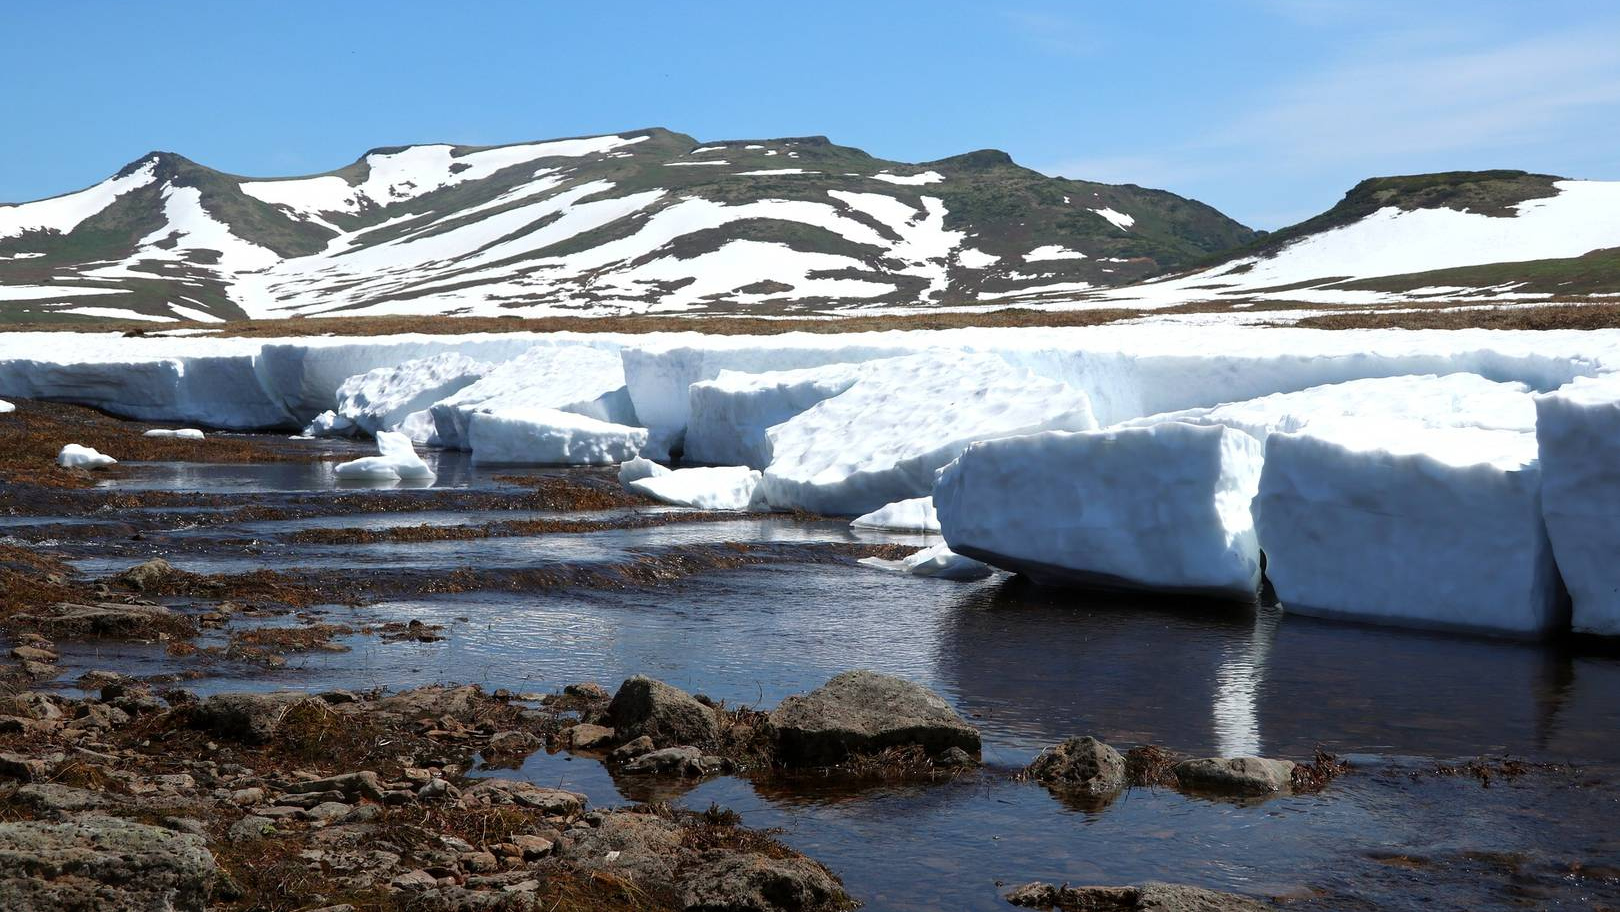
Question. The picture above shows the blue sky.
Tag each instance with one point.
(1266, 109)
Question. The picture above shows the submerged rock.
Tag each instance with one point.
(142, 577)
(1149, 897)
(668, 715)
(1236, 775)
(863, 712)
(1082, 764)
(95, 863)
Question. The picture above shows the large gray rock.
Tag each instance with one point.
(1149, 897)
(1236, 775)
(94, 864)
(251, 718)
(644, 849)
(863, 712)
(756, 883)
(668, 715)
(1081, 764)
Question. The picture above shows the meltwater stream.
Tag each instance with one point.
(1028, 666)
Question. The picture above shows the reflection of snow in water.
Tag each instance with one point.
(1237, 688)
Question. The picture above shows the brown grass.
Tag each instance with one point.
(1317, 774)
(1540, 317)
(1150, 765)
(714, 324)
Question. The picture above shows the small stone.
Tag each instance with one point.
(632, 749)
(252, 826)
(23, 769)
(480, 862)
(414, 880)
(365, 813)
(532, 846)
(33, 654)
(247, 797)
(148, 575)
(1236, 775)
(590, 737)
(588, 690)
(512, 744)
(328, 811)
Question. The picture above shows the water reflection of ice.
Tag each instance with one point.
(1237, 690)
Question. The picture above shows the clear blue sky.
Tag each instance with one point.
(1267, 109)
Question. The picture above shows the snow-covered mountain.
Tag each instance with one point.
(1457, 236)
(646, 221)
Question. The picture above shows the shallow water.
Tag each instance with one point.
(1030, 666)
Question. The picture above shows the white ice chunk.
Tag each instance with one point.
(380, 399)
(639, 468)
(548, 436)
(182, 433)
(397, 459)
(420, 427)
(885, 437)
(1578, 432)
(710, 488)
(915, 514)
(1163, 508)
(6, 407)
(1397, 521)
(939, 562)
(330, 424)
(731, 413)
(75, 456)
(580, 379)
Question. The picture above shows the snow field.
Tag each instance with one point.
(1578, 435)
(584, 380)
(1162, 508)
(1398, 521)
(381, 399)
(1383, 415)
(885, 437)
(533, 435)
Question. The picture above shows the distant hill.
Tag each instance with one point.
(1455, 237)
(646, 221)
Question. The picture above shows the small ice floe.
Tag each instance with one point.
(939, 562)
(6, 407)
(639, 468)
(397, 462)
(714, 488)
(182, 433)
(913, 515)
(74, 456)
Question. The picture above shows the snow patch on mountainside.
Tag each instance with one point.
(411, 172)
(64, 213)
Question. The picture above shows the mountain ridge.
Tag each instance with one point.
(785, 225)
